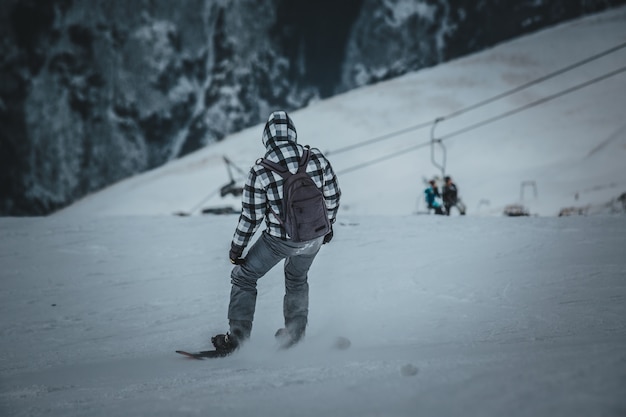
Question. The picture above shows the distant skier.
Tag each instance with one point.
(451, 197)
(433, 198)
(262, 200)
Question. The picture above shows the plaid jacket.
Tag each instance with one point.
(264, 188)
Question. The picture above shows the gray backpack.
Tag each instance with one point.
(304, 206)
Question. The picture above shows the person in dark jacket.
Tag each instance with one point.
(451, 196)
(262, 202)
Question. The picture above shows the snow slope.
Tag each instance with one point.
(499, 316)
(575, 144)
(473, 316)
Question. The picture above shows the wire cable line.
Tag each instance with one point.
(537, 81)
(483, 102)
(380, 138)
(535, 103)
(488, 121)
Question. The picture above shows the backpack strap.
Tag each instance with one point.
(282, 170)
(273, 166)
(304, 161)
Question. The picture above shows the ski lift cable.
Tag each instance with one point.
(380, 138)
(489, 120)
(384, 158)
(534, 103)
(537, 81)
(483, 102)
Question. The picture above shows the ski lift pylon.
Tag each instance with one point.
(231, 187)
(434, 141)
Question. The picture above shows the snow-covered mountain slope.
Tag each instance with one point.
(572, 147)
(94, 92)
(447, 316)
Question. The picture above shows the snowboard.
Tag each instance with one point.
(340, 343)
(203, 354)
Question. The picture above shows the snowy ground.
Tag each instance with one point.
(499, 316)
(479, 315)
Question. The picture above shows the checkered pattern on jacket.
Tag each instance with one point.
(264, 188)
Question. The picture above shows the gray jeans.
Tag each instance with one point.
(264, 254)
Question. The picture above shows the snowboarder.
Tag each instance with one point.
(262, 200)
(433, 198)
(451, 197)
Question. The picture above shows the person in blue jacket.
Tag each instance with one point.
(433, 198)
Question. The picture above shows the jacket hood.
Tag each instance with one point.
(280, 140)
(279, 127)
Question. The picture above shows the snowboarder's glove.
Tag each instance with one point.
(238, 261)
(235, 255)
(328, 237)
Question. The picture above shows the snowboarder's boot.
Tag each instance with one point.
(225, 343)
(286, 338)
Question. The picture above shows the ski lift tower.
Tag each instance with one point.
(434, 141)
(525, 184)
(232, 187)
